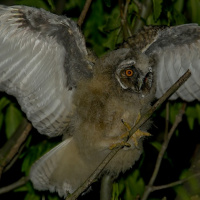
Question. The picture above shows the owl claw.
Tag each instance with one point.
(137, 135)
(119, 144)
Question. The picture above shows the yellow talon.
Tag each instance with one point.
(138, 118)
(120, 144)
(127, 125)
(137, 135)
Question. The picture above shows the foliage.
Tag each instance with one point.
(103, 32)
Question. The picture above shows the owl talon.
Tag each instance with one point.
(137, 135)
(120, 144)
(126, 124)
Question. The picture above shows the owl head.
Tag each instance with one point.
(131, 69)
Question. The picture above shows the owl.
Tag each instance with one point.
(92, 102)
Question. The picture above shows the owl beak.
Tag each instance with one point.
(139, 84)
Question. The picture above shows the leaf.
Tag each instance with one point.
(13, 118)
(194, 7)
(3, 103)
(52, 4)
(156, 145)
(198, 112)
(1, 119)
(192, 113)
(157, 7)
(139, 185)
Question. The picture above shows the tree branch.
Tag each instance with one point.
(12, 146)
(161, 187)
(84, 12)
(123, 14)
(142, 120)
(15, 185)
(149, 187)
(145, 10)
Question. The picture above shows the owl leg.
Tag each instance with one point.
(123, 137)
(119, 144)
(137, 135)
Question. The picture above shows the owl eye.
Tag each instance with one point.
(129, 72)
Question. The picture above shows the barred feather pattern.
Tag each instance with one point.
(176, 50)
(32, 70)
(171, 68)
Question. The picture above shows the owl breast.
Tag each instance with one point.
(98, 121)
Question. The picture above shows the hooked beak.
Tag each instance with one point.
(140, 82)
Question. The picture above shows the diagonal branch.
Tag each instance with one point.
(12, 146)
(84, 12)
(142, 120)
(14, 185)
(161, 187)
(149, 187)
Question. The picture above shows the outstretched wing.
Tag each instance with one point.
(175, 50)
(42, 56)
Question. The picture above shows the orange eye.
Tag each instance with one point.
(129, 72)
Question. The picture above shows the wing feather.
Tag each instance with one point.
(179, 46)
(42, 56)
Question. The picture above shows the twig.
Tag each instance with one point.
(12, 146)
(149, 187)
(14, 185)
(123, 14)
(145, 10)
(142, 120)
(161, 187)
(167, 120)
(84, 12)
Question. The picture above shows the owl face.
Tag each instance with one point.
(135, 77)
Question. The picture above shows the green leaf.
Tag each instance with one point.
(194, 7)
(13, 118)
(179, 5)
(52, 5)
(32, 196)
(198, 112)
(1, 119)
(157, 8)
(190, 122)
(3, 103)
(156, 145)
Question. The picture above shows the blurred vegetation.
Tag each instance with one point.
(103, 32)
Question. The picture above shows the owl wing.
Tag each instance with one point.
(42, 56)
(175, 50)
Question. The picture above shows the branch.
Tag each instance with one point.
(123, 14)
(15, 185)
(142, 120)
(149, 187)
(84, 12)
(161, 187)
(145, 9)
(12, 146)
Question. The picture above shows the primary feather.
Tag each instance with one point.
(41, 57)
